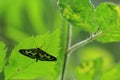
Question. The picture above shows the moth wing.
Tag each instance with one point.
(44, 56)
(29, 52)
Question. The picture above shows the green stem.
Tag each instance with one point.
(84, 42)
(69, 34)
(70, 49)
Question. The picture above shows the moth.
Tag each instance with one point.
(38, 54)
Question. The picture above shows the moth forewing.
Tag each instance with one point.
(44, 56)
(28, 52)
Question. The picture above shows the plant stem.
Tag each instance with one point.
(70, 49)
(69, 34)
(84, 42)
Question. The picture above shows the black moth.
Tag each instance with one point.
(37, 54)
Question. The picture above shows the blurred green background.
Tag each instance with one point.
(20, 19)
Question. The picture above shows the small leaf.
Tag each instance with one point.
(2, 55)
(22, 67)
(89, 70)
(108, 19)
(79, 13)
(89, 51)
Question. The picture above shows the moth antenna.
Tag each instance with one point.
(43, 44)
(35, 43)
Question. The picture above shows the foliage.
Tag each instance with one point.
(89, 70)
(22, 67)
(92, 70)
(28, 24)
(105, 17)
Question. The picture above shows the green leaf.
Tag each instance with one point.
(89, 70)
(2, 55)
(79, 13)
(105, 17)
(23, 67)
(88, 52)
(112, 73)
(108, 19)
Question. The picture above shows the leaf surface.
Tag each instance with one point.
(23, 67)
(105, 18)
